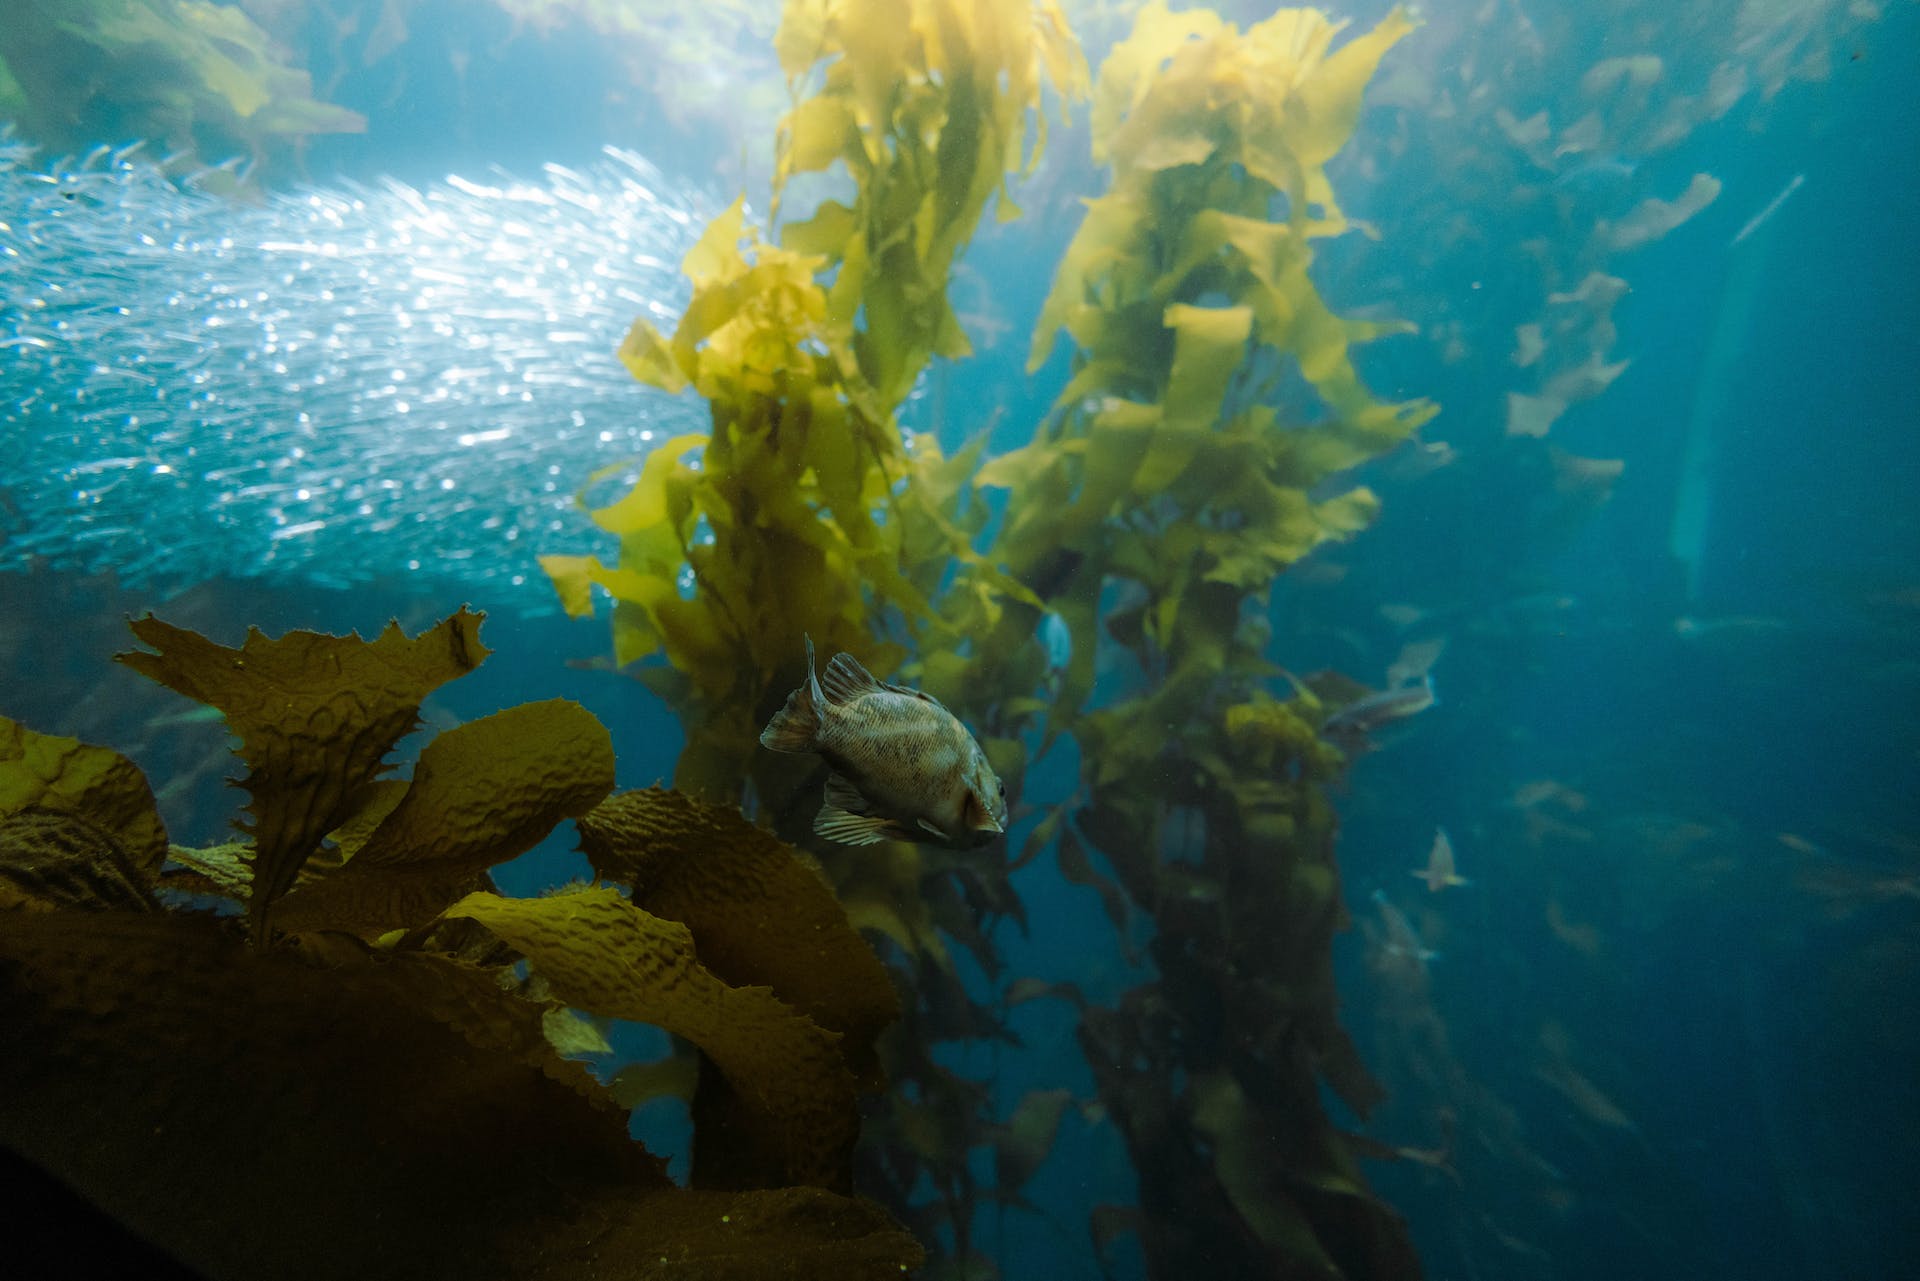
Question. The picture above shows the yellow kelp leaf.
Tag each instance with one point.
(1107, 237)
(599, 953)
(1326, 104)
(482, 793)
(716, 255)
(648, 504)
(96, 783)
(759, 910)
(1271, 729)
(1209, 345)
(315, 715)
(813, 135)
(826, 232)
(650, 358)
(1128, 74)
(572, 578)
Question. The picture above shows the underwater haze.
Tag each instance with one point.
(1403, 515)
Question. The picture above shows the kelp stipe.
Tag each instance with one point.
(805, 512)
(1178, 476)
(361, 1078)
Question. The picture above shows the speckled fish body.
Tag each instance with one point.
(904, 767)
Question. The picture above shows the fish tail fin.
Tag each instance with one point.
(795, 726)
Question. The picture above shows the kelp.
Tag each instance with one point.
(1193, 456)
(365, 1076)
(798, 514)
(805, 510)
(200, 77)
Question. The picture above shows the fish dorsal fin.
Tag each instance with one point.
(852, 829)
(920, 694)
(845, 680)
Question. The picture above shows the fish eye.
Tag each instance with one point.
(1003, 788)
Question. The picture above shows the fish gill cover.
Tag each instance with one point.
(384, 1045)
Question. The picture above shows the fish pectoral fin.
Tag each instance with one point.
(938, 834)
(843, 795)
(853, 829)
(845, 680)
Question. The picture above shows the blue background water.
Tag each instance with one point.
(1745, 1002)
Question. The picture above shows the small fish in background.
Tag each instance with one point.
(1597, 178)
(1402, 943)
(1439, 873)
(1415, 661)
(1581, 937)
(904, 767)
(1361, 717)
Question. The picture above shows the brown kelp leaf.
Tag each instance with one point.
(759, 910)
(602, 954)
(1250, 1171)
(1078, 868)
(50, 859)
(315, 714)
(354, 1113)
(97, 783)
(482, 793)
(1027, 1138)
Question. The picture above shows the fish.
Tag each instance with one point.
(1415, 661)
(1375, 710)
(903, 767)
(1403, 941)
(1439, 873)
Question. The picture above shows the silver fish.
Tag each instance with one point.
(1439, 872)
(904, 767)
(1376, 710)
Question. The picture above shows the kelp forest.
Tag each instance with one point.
(346, 1038)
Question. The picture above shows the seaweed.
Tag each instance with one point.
(1194, 455)
(799, 513)
(382, 1040)
(807, 511)
(203, 78)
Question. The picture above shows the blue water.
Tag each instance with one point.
(1677, 1034)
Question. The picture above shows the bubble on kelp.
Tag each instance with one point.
(332, 385)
